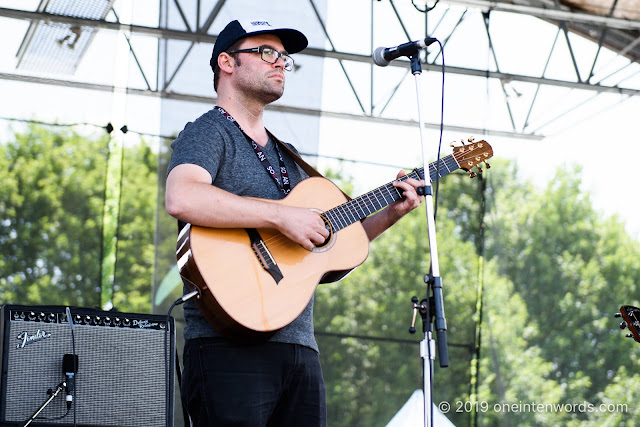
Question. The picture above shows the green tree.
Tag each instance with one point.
(549, 269)
(616, 405)
(368, 380)
(564, 260)
(51, 210)
(512, 372)
(51, 202)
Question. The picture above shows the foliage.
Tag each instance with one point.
(512, 370)
(564, 267)
(528, 283)
(370, 379)
(546, 334)
(50, 204)
(51, 211)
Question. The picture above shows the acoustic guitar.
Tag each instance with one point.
(253, 282)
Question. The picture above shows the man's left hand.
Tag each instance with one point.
(410, 198)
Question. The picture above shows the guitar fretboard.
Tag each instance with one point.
(362, 206)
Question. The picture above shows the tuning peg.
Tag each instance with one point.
(479, 169)
(629, 335)
(617, 315)
(471, 139)
(472, 174)
(623, 325)
(487, 165)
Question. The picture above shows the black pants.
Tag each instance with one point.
(268, 384)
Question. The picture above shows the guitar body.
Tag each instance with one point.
(253, 282)
(240, 297)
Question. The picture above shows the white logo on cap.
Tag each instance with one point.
(253, 24)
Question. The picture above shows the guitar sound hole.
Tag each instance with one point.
(327, 225)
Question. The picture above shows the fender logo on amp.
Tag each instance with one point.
(25, 338)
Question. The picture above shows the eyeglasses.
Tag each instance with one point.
(269, 55)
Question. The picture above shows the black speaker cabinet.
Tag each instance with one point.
(125, 367)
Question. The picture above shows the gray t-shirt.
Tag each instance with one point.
(216, 144)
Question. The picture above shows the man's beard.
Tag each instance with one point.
(269, 93)
(263, 89)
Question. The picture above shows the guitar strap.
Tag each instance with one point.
(285, 182)
(310, 170)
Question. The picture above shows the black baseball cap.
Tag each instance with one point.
(292, 40)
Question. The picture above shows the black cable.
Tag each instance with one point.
(38, 122)
(429, 315)
(62, 384)
(426, 8)
(382, 339)
(435, 198)
(109, 128)
(75, 357)
(167, 365)
(185, 413)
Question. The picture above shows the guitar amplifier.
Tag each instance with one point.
(125, 367)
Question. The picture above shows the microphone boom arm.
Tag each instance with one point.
(383, 56)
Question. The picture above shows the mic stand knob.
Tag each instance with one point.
(422, 307)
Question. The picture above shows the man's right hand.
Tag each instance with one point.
(303, 226)
(191, 198)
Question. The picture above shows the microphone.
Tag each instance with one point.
(382, 56)
(69, 368)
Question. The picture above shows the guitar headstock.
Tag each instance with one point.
(631, 316)
(471, 154)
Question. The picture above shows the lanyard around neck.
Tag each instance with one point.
(285, 186)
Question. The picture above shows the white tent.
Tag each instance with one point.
(412, 414)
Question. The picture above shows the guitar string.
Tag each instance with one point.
(367, 202)
(353, 210)
(349, 214)
(370, 204)
(367, 207)
(374, 196)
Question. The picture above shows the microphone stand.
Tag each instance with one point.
(51, 397)
(433, 305)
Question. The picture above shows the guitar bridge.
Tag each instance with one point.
(264, 255)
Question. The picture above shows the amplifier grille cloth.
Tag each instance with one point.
(121, 378)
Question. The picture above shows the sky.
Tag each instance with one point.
(596, 135)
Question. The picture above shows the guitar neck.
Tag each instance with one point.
(362, 206)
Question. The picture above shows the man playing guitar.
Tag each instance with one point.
(222, 164)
